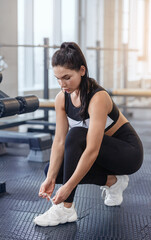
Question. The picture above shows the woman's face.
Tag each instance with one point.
(69, 80)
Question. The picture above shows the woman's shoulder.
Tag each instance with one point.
(59, 96)
(100, 97)
(60, 99)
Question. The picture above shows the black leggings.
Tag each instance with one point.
(121, 153)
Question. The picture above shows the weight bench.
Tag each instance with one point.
(39, 144)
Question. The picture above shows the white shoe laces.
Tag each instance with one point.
(105, 192)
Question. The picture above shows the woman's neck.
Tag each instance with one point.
(76, 93)
(75, 98)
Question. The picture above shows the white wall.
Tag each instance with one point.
(8, 35)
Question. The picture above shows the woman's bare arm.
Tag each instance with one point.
(57, 150)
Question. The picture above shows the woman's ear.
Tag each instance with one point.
(82, 70)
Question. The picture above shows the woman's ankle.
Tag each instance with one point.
(111, 179)
(67, 204)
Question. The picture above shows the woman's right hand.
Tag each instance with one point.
(47, 188)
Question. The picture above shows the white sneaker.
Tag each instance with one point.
(55, 215)
(113, 196)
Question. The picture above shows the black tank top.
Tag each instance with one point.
(74, 118)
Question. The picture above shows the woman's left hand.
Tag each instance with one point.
(62, 194)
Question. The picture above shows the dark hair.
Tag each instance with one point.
(70, 56)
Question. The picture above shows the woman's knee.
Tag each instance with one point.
(76, 136)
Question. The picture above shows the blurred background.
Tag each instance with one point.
(115, 36)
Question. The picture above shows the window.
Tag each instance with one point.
(68, 18)
(43, 28)
(38, 19)
(141, 27)
(125, 33)
(149, 39)
(139, 38)
(20, 41)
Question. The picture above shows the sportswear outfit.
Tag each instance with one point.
(120, 154)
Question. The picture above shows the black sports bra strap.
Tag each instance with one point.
(114, 114)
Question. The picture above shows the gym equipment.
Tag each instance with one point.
(39, 143)
(19, 105)
(45, 103)
(130, 92)
(46, 48)
(9, 107)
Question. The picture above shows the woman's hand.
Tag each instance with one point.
(47, 188)
(62, 194)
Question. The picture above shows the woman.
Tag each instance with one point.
(94, 143)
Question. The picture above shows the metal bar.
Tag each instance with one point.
(98, 62)
(46, 80)
(46, 103)
(125, 69)
(111, 49)
(44, 123)
(46, 69)
(129, 92)
(15, 122)
(135, 107)
(56, 46)
(29, 45)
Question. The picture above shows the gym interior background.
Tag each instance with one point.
(115, 36)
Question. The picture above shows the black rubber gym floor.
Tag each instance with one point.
(20, 204)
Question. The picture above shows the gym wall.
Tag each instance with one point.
(8, 35)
